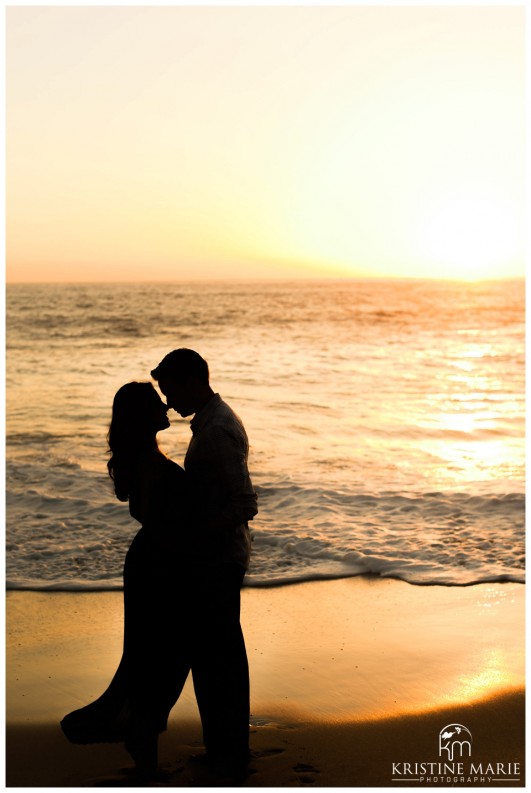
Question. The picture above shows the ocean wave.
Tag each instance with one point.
(300, 560)
(30, 438)
(415, 577)
(140, 310)
(68, 585)
(70, 539)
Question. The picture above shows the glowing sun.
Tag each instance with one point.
(471, 239)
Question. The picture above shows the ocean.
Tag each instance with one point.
(386, 422)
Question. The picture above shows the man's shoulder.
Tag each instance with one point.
(223, 409)
(225, 418)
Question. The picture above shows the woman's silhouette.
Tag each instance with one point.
(153, 668)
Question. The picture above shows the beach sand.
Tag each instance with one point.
(351, 680)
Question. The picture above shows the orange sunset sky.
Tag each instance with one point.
(218, 142)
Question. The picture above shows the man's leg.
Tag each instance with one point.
(219, 666)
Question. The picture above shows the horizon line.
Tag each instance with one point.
(264, 279)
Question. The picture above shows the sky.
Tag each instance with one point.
(155, 143)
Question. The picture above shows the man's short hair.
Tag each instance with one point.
(181, 364)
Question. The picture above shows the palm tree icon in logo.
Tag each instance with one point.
(455, 738)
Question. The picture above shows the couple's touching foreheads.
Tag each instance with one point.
(182, 574)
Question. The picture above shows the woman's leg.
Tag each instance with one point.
(158, 662)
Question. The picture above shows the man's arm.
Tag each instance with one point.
(231, 499)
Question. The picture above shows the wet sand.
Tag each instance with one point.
(352, 682)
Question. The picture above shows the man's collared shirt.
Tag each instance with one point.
(217, 462)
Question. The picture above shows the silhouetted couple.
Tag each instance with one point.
(183, 572)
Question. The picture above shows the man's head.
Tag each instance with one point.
(183, 378)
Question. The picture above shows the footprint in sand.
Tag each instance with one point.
(128, 777)
(270, 752)
(306, 773)
(114, 781)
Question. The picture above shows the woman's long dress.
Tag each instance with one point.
(153, 667)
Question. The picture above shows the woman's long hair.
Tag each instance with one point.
(131, 433)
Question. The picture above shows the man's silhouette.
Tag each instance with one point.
(216, 557)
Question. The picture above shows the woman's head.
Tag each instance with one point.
(138, 413)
